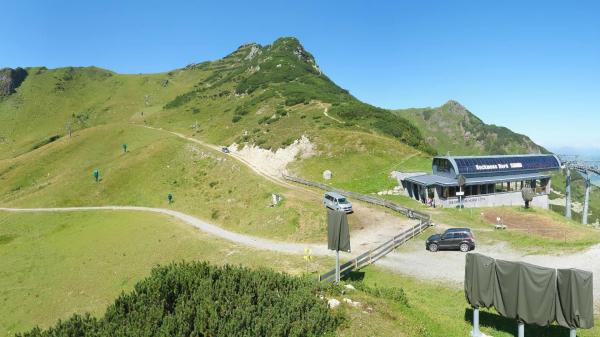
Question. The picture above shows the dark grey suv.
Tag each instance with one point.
(452, 239)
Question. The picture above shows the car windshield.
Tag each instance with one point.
(342, 200)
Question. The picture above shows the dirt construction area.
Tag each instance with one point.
(532, 224)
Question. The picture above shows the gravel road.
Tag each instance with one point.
(248, 240)
(449, 266)
(412, 259)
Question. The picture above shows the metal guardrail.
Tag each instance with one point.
(409, 212)
(375, 254)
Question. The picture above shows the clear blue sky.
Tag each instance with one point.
(533, 66)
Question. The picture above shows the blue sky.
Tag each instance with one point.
(533, 66)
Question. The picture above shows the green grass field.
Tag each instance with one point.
(53, 265)
(436, 309)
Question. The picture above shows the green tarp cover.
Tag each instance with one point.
(525, 292)
(575, 299)
(529, 293)
(338, 233)
(480, 276)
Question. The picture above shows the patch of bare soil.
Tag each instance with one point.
(532, 224)
(370, 227)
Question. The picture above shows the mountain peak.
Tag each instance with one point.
(291, 45)
(455, 108)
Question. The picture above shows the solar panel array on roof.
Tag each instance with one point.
(506, 164)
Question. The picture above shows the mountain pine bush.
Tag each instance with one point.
(198, 299)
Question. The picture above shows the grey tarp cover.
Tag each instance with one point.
(575, 299)
(532, 294)
(525, 292)
(480, 275)
(338, 233)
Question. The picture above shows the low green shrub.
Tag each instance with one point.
(198, 299)
(393, 293)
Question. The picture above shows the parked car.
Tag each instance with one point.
(337, 202)
(225, 149)
(452, 239)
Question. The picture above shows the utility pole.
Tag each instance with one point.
(586, 201)
(568, 194)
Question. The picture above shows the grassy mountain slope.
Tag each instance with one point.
(204, 182)
(262, 95)
(452, 128)
(268, 95)
(265, 95)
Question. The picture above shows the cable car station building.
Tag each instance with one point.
(486, 180)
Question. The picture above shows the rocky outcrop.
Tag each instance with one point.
(10, 80)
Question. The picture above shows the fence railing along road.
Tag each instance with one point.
(374, 254)
(409, 212)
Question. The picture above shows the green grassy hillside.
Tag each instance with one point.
(203, 182)
(265, 95)
(454, 129)
(58, 125)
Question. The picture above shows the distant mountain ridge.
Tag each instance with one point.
(263, 95)
(452, 128)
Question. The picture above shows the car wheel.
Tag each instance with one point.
(433, 247)
(464, 247)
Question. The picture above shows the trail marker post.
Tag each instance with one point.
(308, 257)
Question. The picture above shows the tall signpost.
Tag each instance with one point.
(338, 236)
(461, 182)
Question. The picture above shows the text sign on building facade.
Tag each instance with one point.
(499, 166)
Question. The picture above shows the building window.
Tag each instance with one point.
(443, 165)
(452, 192)
(500, 188)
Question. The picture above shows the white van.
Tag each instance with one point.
(337, 202)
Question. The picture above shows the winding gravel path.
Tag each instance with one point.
(247, 240)
(412, 259)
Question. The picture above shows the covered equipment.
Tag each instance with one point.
(529, 293)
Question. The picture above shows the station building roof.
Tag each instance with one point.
(494, 165)
(487, 169)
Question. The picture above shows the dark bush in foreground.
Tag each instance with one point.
(198, 299)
